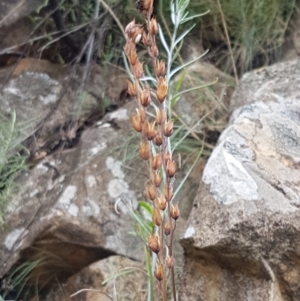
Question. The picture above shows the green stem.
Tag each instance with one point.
(150, 274)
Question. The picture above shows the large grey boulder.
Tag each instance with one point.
(242, 240)
(65, 204)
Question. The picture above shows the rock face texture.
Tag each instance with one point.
(242, 240)
(115, 277)
(11, 11)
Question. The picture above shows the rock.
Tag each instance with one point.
(263, 83)
(70, 198)
(242, 237)
(66, 204)
(124, 280)
(11, 11)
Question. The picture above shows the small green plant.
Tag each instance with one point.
(156, 128)
(18, 278)
(255, 30)
(11, 158)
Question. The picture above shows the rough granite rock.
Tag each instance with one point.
(124, 279)
(70, 197)
(242, 241)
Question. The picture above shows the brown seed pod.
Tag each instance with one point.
(168, 193)
(162, 89)
(156, 161)
(144, 6)
(175, 213)
(137, 122)
(156, 217)
(168, 228)
(150, 192)
(158, 139)
(162, 203)
(159, 272)
(144, 150)
(168, 128)
(171, 168)
(153, 243)
(170, 262)
(150, 130)
(157, 178)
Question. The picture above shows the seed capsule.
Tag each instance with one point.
(150, 130)
(153, 243)
(159, 272)
(162, 89)
(132, 89)
(161, 116)
(138, 69)
(171, 168)
(153, 51)
(156, 217)
(175, 213)
(153, 27)
(168, 128)
(157, 179)
(158, 139)
(170, 262)
(168, 193)
(168, 228)
(144, 150)
(162, 203)
(137, 122)
(145, 97)
(156, 161)
(160, 68)
(150, 192)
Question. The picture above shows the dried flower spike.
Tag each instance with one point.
(153, 243)
(144, 150)
(162, 89)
